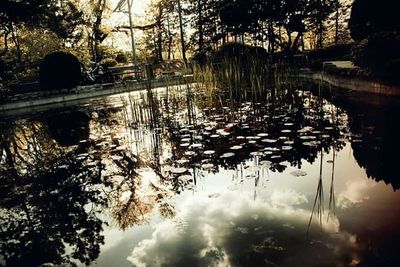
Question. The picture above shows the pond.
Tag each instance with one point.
(172, 179)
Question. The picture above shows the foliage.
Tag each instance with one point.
(239, 52)
(47, 14)
(371, 16)
(335, 52)
(201, 57)
(121, 57)
(59, 70)
(31, 12)
(380, 53)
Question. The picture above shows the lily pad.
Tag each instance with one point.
(298, 173)
(209, 152)
(178, 170)
(227, 155)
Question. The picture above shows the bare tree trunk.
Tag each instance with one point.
(271, 37)
(320, 34)
(337, 24)
(182, 33)
(5, 50)
(15, 39)
(201, 33)
(97, 32)
(159, 37)
(169, 39)
(295, 45)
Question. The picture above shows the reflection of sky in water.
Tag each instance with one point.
(219, 224)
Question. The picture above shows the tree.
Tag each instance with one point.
(205, 22)
(238, 16)
(182, 33)
(97, 33)
(319, 11)
(372, 16)
(20, 21)
(61, 19)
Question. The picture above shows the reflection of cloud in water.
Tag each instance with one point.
(287, 198)
(232, 231)
(355, 193)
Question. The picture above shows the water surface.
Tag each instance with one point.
(176, 180)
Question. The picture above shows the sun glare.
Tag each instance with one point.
(138, 8)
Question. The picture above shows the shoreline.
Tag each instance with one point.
(352, 84)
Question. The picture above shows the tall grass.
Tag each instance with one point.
(238, 81)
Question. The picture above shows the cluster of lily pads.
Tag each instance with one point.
(226, 138)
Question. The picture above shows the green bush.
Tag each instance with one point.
(380, 54)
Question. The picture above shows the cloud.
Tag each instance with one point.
(236, 231)
(355, 193)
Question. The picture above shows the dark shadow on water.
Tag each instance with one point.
(68, 127)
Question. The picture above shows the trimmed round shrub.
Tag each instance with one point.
(373, 16)
(379, 53)
(59, 70)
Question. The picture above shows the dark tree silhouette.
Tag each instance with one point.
(59, 70)
(61, 19)
(372, 16)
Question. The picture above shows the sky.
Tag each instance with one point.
(139, 6)
(117, 19)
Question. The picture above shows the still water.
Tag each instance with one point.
(181, 181)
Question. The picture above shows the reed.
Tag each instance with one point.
(237, 82)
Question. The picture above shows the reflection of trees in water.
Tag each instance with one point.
(132, 197)
(48, 204)
(375, 136)
(56, 177)
(377, 152)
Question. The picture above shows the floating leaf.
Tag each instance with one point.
(190, 153)
(209, 152)
(227, 155)
(207, 166)
(298, 173)
(265, 163)
(178, 170)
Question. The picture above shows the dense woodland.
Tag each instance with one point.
(178, 29)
